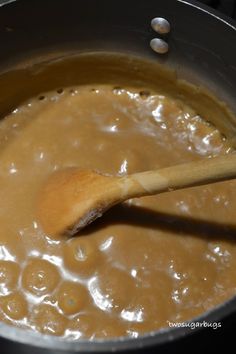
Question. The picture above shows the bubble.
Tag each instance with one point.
(40, 277)
(14, 306)
(144, 94)
(107, 291)
(82, 256)
(48, 320)
(72, 297)
(9, 273)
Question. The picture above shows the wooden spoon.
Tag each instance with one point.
(72, 198)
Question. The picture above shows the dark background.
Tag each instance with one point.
(228, 7)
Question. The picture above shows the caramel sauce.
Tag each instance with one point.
(149, 261)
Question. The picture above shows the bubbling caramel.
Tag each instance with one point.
(149, 261)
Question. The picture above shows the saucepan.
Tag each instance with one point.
(196, 42)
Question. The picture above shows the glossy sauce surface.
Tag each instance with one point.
(149, 261)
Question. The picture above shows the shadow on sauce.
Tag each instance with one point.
(150, 219)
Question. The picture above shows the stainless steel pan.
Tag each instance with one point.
(202, 48)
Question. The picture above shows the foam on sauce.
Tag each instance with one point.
(149, 261)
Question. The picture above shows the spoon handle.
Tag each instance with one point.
(191, 174)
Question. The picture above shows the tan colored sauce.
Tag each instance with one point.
(152, 260)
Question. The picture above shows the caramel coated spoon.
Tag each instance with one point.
(72, 198)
